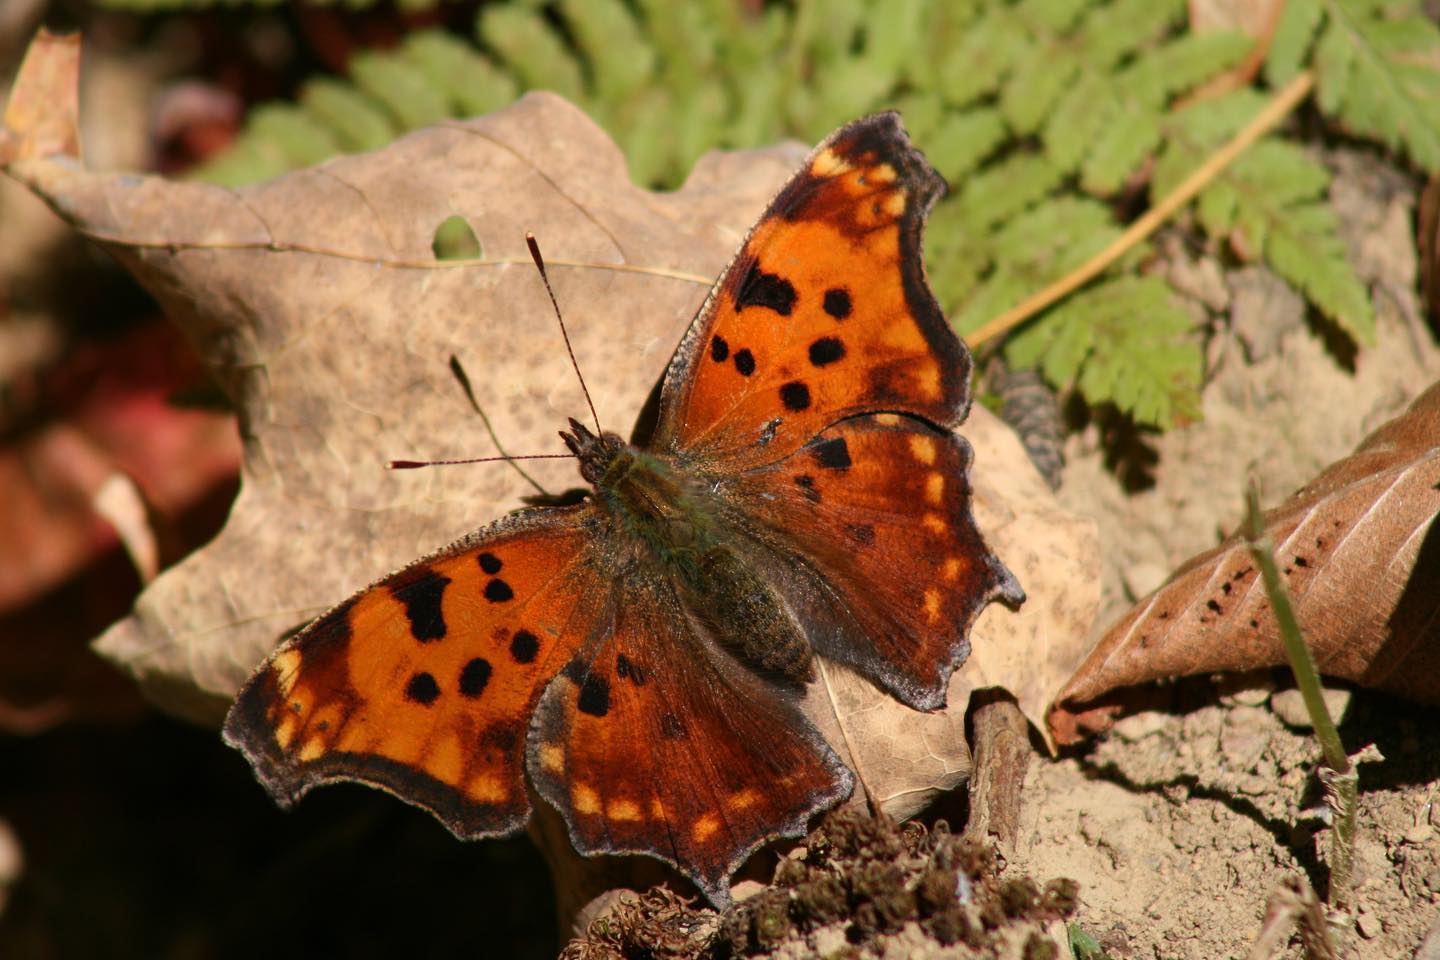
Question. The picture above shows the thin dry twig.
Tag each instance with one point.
(1002, 758)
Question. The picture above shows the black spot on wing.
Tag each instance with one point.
(806, 483)
(627, 669)
(524, 646)
(826, 350)
(832, 454)
(795, 395)
(421, 589)
(861, 533)
(594, 695)
(760, 289)
(474, 677)
(498, 591)
(422, 689)
(719, 349)
(490, 563)
(744, 362)
(671, 728)
(837, 303)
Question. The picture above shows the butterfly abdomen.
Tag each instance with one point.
(748, 617)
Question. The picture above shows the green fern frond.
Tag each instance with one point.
(1004, 189)
(401, 87)
(531, 50)
(1108, 124)
(607, 34)
(470, 83)
(1376, 66)
(1126, 341)
(1040, 113)
(1030, 251)
(1270, 203)
(358, 121)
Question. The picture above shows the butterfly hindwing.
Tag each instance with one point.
(656, 741)
(824, 312)
(888, 569)
(423, 684)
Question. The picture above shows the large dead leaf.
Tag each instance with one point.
(1360, 551)
(320, 305)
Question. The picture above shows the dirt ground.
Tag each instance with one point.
(1180, 825)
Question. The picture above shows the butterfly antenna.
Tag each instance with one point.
(540, 265)
(459, 373)
(415, 464)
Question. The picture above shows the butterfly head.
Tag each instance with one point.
(596, 452)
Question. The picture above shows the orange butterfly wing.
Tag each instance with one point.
(423, 683)
(650, 740)
(822, 318)
(824, 313)
(886, 568)
(658, 742)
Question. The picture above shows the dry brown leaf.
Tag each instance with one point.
(319, 303)
(35, 125)
(1360, 552)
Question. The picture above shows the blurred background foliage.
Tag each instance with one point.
(1055, 121)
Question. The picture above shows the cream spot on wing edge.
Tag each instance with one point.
(881, 173)
(932, 604)
(894, 203)
(950, 569)
(705, 827)
(933, 522)
(927, 378)
(287, 667)
(488, 788)
(922, 448)
(626, 810)
(888, 419)
(935, 488)
(584, 799)
(828, 163)
(314, 747)
(743, 800)
(552, 758)
(285, 730)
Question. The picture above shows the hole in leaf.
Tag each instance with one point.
(454, 240)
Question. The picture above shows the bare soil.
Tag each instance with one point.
(1180, 825)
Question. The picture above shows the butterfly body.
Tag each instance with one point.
(638, 658)
(661, 518)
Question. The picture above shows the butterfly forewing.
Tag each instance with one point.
(824, 313)
(423, 684)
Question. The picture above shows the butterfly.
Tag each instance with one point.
(638, 657)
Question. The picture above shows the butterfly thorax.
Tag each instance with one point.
(669, 524)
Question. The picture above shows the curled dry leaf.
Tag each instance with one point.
(319, 303)
(1360, 551)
